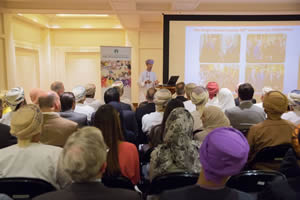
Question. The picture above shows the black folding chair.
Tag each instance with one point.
(253, 181)
(22, 188)
(117, 182)
(172, 181)
(273, 155)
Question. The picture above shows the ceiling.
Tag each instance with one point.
(147, 14)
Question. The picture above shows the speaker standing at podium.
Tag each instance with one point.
(147, 80)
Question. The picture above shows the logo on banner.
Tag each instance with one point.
(116, 51)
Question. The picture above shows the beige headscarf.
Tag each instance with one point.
(275, 104)
(90, 89)
(213, 118)
(161, 99)
(188, 89)
(26, 122)
(199, 97)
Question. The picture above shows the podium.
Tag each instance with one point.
(171, 88)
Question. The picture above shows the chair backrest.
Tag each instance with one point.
(253, 181)
(24, 188)
(274, 154)
(117, 182)
(172, 181)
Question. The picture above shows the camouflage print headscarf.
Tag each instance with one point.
(178, 153)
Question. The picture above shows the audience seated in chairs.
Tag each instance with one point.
(246, 114)
(122, 158)
(157, 134)
(223, 153)
(113, 95)
(146, 108)
(290, 165)
(188, 104)
(57, 87)
(213, 90)
(180, 91)
(80, 96)
(35, 95)
(237, 100)
(287, 189)
(294, 104)
(123, 100)
(55, 129)
(15, 99)
(199, 97)
(84, 159)
(161, 99)
(68, 103)
(6, 139)
(127, 116)
(178, 153)
(225, 99)
(90, 96)
(271, 132)
(29, 158)
(264, 91)
(212, 117)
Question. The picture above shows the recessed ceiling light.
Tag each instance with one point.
(55, 26)
(20, 14)
(35, 20)
(86, 26)
(118, 26)
(82, 15)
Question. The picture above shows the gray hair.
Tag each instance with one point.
(56, 86)
(84, 154)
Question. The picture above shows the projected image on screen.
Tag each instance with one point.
(266, 48)
(221, 73)
(259, 54)
(218, 48)
(261, 75)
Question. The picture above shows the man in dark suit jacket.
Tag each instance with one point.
(113, 95)
(84, 159)
(180, 91)
(143, 109)
(68, 103)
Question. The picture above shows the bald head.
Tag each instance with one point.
(49, 102)
(58, 87)
(35, 94)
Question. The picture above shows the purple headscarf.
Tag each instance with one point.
(224, 152)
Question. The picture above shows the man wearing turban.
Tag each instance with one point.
(271, 132)
(294, 103)
(15, 99)
(147, 80)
